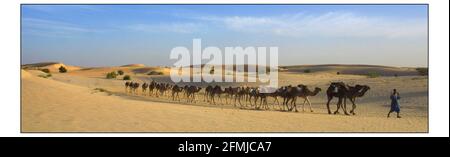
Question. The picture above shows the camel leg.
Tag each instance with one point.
(234, 103)
(278, 103)
(239, 101)
(294, 101)
(263, 103)
(204, 97)
(303, 106)
(286, 104)
(338, 106)
(309, 102)
(266, 106)
(345, 106)
(292, 104)
(256, 105)
(226, 99)
(288, 108)
(353, 106)
(328, 104)
(260, 102)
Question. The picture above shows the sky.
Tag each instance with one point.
(112, 35)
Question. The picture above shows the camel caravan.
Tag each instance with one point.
(253, 97)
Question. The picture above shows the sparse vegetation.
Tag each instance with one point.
(100, 89)
(307, 71)
(422, 71)
(211, 71)
(45, 70)
(45, 76)
(338, 73)
(155, 73)
(111, 75)
(373, 74)
(126, 77)
(62, 69)
(120, 72)
(103, 90)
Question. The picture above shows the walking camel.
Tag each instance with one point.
(355, 92)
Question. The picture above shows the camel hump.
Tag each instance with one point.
(335, 90)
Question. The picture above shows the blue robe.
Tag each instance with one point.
(395, 105)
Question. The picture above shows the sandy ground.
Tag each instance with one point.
(69, 103)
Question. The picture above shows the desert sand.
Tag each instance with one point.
(82, 100)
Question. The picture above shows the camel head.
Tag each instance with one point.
(317, 90)
(363, 90)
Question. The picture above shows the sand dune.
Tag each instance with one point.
(52, 66)
(133, 65)
(353, 69)
(69, 103)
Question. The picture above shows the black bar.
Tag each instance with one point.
(171, 145)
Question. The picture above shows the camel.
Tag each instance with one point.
(290, 93)
(305, 93)
(127, 84)
(134, 87)
(231, 93)
(278, 92)
(161, 88)
(241, 93)
(185, 88)
(144, 88)
(175, 92)
(286, 94)
(168, 88)
(247, 93)
(339, 90)
(216, 91)
(252, 93)
(191, 93)
(356, 91)
(228, 93)
(207, 93)
(151, 87)
(262, 95)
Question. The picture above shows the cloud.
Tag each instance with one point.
(326, 24)
(185, 28)
(44, 27)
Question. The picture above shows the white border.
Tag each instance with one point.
(438, 64)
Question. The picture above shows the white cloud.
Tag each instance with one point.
(168, 27)
(327, 24)
(51, 28)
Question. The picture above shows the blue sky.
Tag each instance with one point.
(108, 35)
